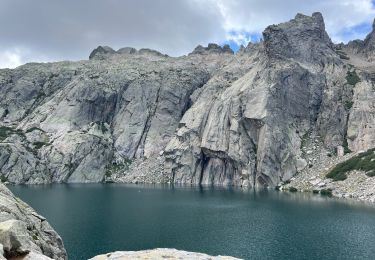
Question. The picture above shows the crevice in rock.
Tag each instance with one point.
(139, 151)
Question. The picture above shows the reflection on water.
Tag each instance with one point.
(250, 224)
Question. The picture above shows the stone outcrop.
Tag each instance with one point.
(160, 253)
(212, 117)
(24, 233)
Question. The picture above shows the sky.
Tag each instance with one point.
(53, 30)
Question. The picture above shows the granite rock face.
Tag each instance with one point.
(23, 232)
(212, 117)
(160, 253)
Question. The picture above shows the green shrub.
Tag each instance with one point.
(102, 126)
(38, 145)
(352, 78)
(326, 192)
(293, 189)
(115, 168)
(345, 145)
(315, 191)
(3, 178)
(364, 162)
(342, 55)
(33, 129)
(348, 105)
(5, 132)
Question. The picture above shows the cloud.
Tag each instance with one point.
(341, 16)
(46, 30)
(10, 58)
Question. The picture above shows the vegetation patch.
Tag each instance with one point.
(102, 126)
(293, 189)
(3, 178)
(115, 167)
(342, 55)
(348, 105)
(345, 145)
(5, 132)
(364, 162)
(34, 129)
(38, 145)
(315, 191)
(326, 192)
(352, 78)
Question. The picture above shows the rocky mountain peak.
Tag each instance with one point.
(303, 38)
(100, 50)
(212, 48)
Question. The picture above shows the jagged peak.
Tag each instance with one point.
(101, 52)
(212, 48)
(299, 38)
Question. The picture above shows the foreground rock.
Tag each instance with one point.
(160, 253)
(212, 117)
(24, 233)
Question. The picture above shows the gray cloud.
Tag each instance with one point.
(49, 30)
(69, 29)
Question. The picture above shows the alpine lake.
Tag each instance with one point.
(95, 219)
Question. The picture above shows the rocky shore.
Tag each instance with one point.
(24, 233)
(160, 253)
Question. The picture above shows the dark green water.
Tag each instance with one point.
(95, 219)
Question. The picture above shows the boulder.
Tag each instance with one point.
(159, 253)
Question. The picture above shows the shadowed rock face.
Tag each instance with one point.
(217, 117)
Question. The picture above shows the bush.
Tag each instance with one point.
(364, 162)
(352, 78)
(34, 129)
(315, 191)
(293, 189)
(345, 145)
(5, 132)
(3, 178)
(326, 192)
(38, 145)
(348, 105)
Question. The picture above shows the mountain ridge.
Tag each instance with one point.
(212, 117)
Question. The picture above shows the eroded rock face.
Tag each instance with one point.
(69, 122)
(23, 232)
(252, 129)
(213, 116)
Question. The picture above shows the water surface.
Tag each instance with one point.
(99, 218)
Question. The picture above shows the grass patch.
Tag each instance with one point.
(364, 162)
(352, 78)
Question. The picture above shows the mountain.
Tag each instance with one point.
(211, 117)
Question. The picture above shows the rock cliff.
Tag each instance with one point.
(211, 117)
(24, 233)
